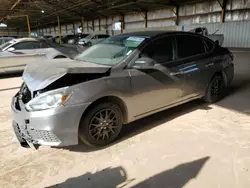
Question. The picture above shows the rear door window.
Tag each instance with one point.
(188, 46)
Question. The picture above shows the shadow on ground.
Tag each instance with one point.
(176, 177)
(6, 76)
(11, 75)
(239, 91)
(7, 89)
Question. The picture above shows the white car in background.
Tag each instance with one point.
(92, 39)
(17, 53)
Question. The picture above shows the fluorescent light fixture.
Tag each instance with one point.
(3, 25)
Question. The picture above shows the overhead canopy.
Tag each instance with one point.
(44, 12)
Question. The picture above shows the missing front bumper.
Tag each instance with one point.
(22, 139)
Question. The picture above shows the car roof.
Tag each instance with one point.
(25, 39)
(29, 39)
(156, 33)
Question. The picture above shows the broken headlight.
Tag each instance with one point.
(48, 100)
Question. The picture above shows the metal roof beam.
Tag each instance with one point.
(12, 7)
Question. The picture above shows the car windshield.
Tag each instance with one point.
(112, 50)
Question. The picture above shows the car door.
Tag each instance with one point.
(158, 86)
(197, 60)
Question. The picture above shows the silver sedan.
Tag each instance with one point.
(117, 81)
(17, 53)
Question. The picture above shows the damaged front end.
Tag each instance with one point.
(38, 108)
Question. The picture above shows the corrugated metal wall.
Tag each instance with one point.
(12, 32)
(207, 13)
(236, 34)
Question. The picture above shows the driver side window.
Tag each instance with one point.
(161, 50)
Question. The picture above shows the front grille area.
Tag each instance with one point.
(46, 136)
(34, 136)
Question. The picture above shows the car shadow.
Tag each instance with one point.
(109, 177)
(176, 177)
(239, 91)
(10, 75)
(7, 89)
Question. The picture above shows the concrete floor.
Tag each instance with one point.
(192, 146)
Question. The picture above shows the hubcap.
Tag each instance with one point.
(103, 124)
(216, 88)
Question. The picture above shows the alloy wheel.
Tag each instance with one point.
(103, 124)
(216, 88)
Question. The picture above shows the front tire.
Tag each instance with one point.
(101, 125)
(215, 89)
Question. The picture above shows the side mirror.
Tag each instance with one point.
(11, 49)
(144, 63)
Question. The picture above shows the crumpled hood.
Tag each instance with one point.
(39, 75)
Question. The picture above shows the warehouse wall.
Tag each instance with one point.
(12, 32)
(207, 14)
(236, 34)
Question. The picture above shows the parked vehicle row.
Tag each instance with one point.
(17, 53)
(119, 80)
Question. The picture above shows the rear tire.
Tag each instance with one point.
(215, 89)
(60, 57)
(101, 125)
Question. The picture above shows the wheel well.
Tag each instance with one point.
(119, 102)
(222, 75)
(59, 56)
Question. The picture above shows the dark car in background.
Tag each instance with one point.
(119, 80)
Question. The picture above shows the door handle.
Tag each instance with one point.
(176, 73)
(209, 64)
(40, 53)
